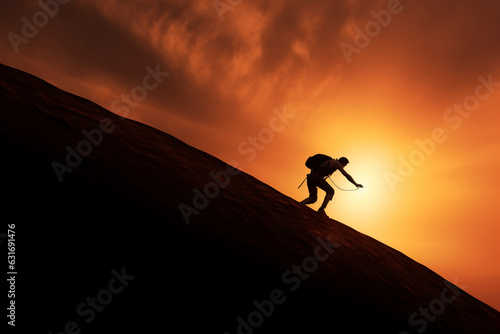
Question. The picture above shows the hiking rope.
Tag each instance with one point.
(332, 182)
(342, 188)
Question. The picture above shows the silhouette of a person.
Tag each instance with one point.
(317, 179)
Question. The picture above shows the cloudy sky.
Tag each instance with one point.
(408, 90)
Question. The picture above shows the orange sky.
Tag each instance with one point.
(230, 77)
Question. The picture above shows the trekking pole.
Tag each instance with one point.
(302, 183)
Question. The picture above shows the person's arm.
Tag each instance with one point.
(349, 177)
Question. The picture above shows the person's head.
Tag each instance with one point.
(343, 161)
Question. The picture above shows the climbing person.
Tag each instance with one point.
(322, 166)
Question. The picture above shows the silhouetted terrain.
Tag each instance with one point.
(112, 230)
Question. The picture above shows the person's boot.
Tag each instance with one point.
(322, 212)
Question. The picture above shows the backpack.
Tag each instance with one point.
(316, 160)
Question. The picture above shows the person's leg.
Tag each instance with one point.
(329, 194)
(313, 192)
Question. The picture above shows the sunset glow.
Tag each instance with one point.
(413, 104)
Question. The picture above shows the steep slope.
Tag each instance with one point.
(250, 260)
